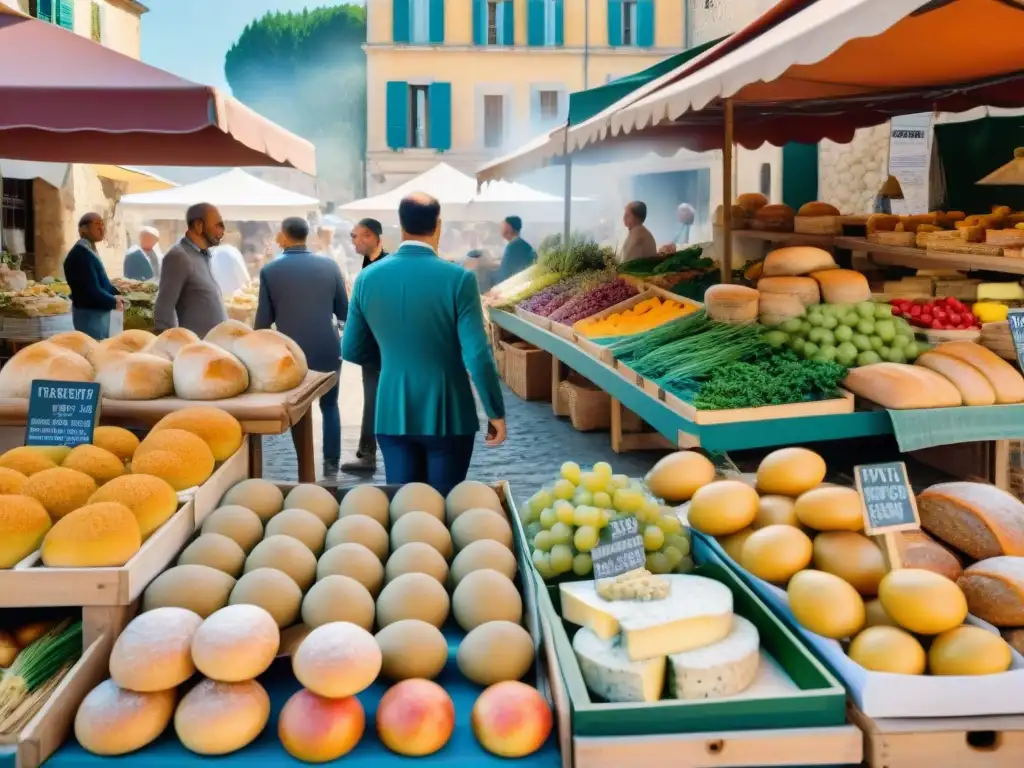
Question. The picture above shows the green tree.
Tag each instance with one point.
(307, 72)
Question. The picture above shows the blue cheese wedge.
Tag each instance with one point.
(611, 674)
(715, 671)
(697, 611)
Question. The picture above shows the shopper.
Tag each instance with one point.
(420, 320)
(639, 243)
(519, 254)
(229, 270)
(142, 262)
(303, 295)
(366, 242)
(189, 296)
(93, 297)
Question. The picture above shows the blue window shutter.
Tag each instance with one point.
(645, 23)
(614, 22)
(479, 22)
(66, 14)
(440, 98)
(535, 22)
(509, 20)
(436, 22)
(559, 23)
(397, 101)
(44, 10)
(400, 25)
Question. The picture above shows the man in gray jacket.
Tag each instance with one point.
(303, 295)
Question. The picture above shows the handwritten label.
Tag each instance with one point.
(62, 412)
(1016, 322)
(887, 498)
(621, 549)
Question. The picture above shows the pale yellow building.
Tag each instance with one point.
(465, 80)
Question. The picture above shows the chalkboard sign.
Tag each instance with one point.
(1016, 322)
(62, 412)
(621, 549)
(887, 498)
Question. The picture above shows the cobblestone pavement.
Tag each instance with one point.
(538, 443)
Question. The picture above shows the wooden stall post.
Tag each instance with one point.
(727, 194)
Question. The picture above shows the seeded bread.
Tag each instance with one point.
(995, 590)
(977, 519)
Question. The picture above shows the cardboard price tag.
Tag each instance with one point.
(1015, 319)
(887, 504)
(62, 412)
(621, 549)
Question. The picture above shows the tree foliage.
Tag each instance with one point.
(307, 72)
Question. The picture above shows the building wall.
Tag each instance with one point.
(850, 175)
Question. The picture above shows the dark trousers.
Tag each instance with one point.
(330, 417)
(91, 322)
(441, 462)
(367, 437)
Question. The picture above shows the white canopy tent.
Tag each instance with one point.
(238, 196)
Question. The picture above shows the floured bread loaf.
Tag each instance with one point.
(114, 721)
(995, 590)
(975, 518)
(275, 362)
(204, 371)
(224, 335)
(170, 342)
(135, 376)
(127, 341)
(41, 360)
(75, 341)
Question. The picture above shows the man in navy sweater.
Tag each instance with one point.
(93, 298)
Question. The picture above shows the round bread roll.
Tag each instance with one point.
(60, 490)
(203, 371)
(195, 463)
(300, 524)
(236, 643)
(41, 360)
(494, 652)
(113, 721)
(216, 551)
(81, 344)
(93, 536)
(11, 481)
(274, 364)
(416, 557)
(288, 555)
(221, 431)
(239, 524)
(412, 649)
(132, 340)
(803, 288)
(471, 494)
(216, 718)
(55, 453)
(423, 527)
(137, 376)
(313, 498)
(261, 496)
(355, 561)
(198, 588)
(476, 524)
(151, 500)
(118, 440)
(360, 529)
(23, 525)
(226, 333)
(484, 596)
(26, 460)
(338, 598)
(751, 202)
(485, 553)
(366, 500)
(170, 342)
(154, 652)
(417, 497)
(337, 660)
(102, 466)
(797, 260)
(843, 286)
(413, 596)
(817, 209)
(270, 589)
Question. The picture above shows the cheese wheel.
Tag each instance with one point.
(842, 286)
(1006, 381)
(921, 601)
(169, 343)
(136, 376)
(216, 718)
(113, 721)
(974, 387)
(41, 360)
(203, 371)
(236, 643)
(154, 652)
(803, 288)
(797, 260)
(275, 363)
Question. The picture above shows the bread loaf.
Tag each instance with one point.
(275, 362)
(731, 303)
(203, 371)
(751, 202)
(136, 376)
(1004, 378)
(975, 518)
(225, 334)
(114, 721)
(974, 387)
(995, 590)
(218, 429)
(75, 341)
(899, 386)
(922, 551)
(803, 288)
(1015, 637)
(776, 308)
(817, 209)
(41, 360)
(170, 342)
(127, 341)
(797, 260)
(843, 286)
(99, 535)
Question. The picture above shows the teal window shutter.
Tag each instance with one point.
(400, 25)
(614, 22)
(559, 23)
(535, 22)
(397, 103)
(440, 116)
(479, 22)
(66, 14)
(645, 23)
(509, 22)
(436, 22)
(44, 10)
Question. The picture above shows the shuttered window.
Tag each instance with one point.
(493, 22)
(66, 14)
(419, 116)
(544, 23)
(631, 22)
(43, 10)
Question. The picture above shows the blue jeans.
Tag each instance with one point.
(91, 322)
(331, 417)
(441, 462)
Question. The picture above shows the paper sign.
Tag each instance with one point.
(621, 549)
(1016, 322)
(62, 412)
(887, 498)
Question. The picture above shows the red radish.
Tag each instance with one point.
(915, 310)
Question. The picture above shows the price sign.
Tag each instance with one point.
(621, 549)
(888, 505)
(1016, 322)
(62, 412)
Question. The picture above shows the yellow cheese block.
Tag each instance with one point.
(696, 613)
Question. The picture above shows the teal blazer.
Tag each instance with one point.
(519, 255)
(418, 319)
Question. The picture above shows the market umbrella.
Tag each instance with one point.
(1009, 175)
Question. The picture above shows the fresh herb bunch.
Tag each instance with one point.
(778, 377)
(579, 256)
(680, 261)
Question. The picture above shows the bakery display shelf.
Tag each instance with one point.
(786, 238)
(919, 258)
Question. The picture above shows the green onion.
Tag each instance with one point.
(38, 663)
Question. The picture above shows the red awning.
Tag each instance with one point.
(63, 98)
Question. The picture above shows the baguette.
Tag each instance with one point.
(922, 551)
(900, 387)
(994, 589)
(977, 519)
(1007, 383)
(974, 387)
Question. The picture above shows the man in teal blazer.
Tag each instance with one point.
(418, 320)
(519, 254)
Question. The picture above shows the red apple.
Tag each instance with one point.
(317, 730)
(415, 718)
(511, 719)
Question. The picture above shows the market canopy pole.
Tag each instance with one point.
(567, 201)
(727, 194)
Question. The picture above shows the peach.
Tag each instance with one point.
(415, 718)
(511, 719)
(317, 730)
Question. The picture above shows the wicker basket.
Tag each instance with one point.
(527, 370)
(590, 408)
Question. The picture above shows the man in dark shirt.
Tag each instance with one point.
(519, 254)
(93, 298)
(366, 242)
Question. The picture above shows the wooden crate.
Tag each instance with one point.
(563, 331)
(842, 404)
(532, 319)
(527, 370)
